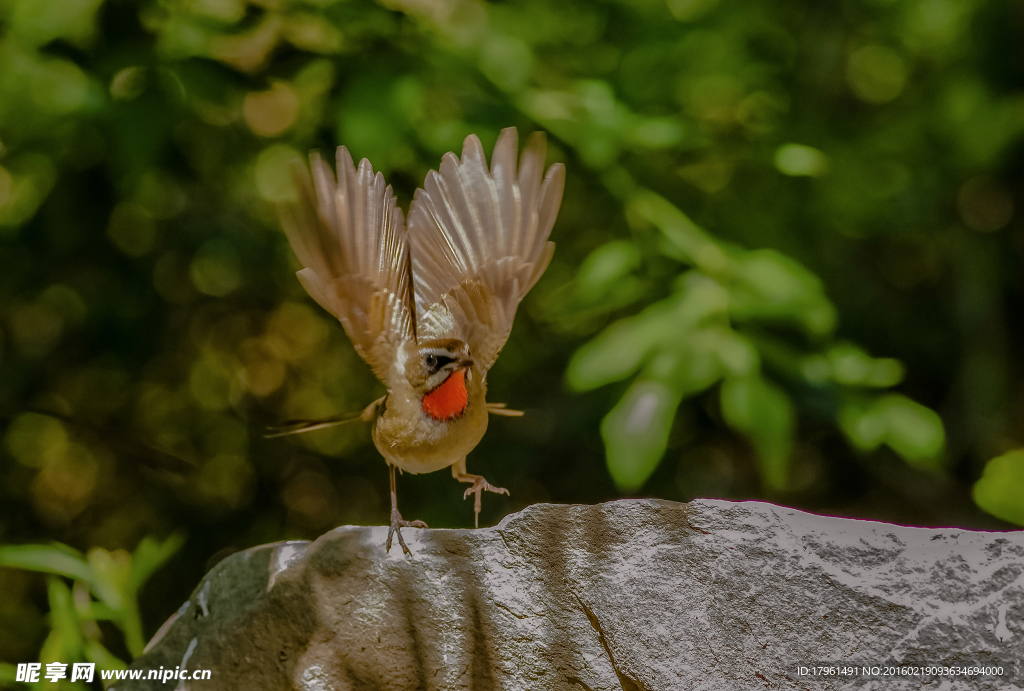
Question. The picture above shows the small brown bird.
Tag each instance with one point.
(428, 304)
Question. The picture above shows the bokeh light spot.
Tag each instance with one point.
(269, 113)
(36, 440)
(876, 74)
(797, 159)
(62, 488)
(131, 229)
(128, 84)
(227, 479)
(264, 371)
(296, 329)
(273, 172)
(210, 381)
(216, 270)
(312, 32)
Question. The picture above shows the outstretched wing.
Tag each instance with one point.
(351, 238)
(479, 240)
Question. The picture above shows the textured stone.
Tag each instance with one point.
(628, 595)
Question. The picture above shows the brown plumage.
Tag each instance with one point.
(428, 305)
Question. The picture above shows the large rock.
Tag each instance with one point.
(628, 595)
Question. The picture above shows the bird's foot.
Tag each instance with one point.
(480, 485)
(397, 523)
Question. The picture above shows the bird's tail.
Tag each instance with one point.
(368, 414)
(500, 409)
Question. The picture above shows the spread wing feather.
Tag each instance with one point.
(351, 239)
(479, 240)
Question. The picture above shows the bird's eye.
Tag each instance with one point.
(435, 362)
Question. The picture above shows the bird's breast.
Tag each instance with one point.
(424, 435)
(449, 400)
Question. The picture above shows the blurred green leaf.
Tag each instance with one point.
(507, 62)
(97, 611)
(636, 431)
(769, 285)
(621, 349)
(28, 180)
(851, 366)
(764, 414)
(916, 432)
(150, 555)
(657, 133)
(65, 640)
(602, 278)
(1000, 490)
(48, 559)
(912, 430)
(38, 23)
(692, 367)
(115, 586)
(111, 575)
(736, 354)
(685, 241)
(101, 657)
(862, 425)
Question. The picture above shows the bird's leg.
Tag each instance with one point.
(397, 522)
(479, 485)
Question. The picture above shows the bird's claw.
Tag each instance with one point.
(480, 486)
(397, 523)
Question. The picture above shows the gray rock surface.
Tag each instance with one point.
(629, 595)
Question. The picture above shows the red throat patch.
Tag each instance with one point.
(449, 400)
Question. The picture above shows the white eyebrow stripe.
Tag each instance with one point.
(439, 351)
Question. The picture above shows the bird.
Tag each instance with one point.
(429, 303)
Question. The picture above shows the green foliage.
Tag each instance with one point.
(764, 413)
(1000, 491)
(606, 279)
(712, 329)
(105, 587)
(58, 559)
(636, 430)
(912, 430)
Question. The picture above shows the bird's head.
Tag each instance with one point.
(439, 373)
